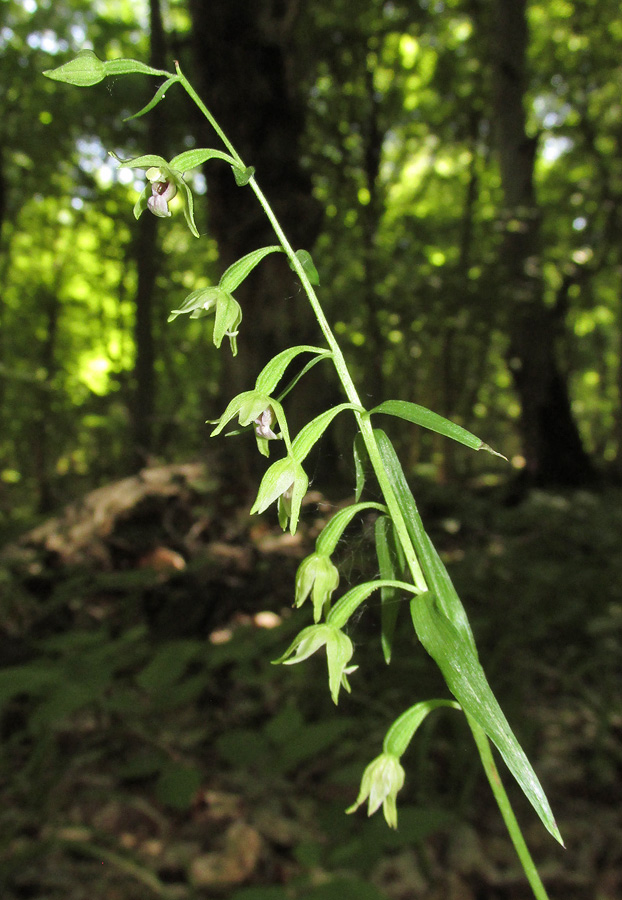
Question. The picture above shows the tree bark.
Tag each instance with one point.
(146, 255)
(552, 446)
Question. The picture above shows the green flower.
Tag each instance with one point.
(202, 302)
(381, 781)
(287, 482)
(339, 652)
(317, 576)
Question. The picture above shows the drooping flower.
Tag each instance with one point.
(287, 482)
(263, 424)
(381, 781)
(317, 576)
(164, 181)
(339, 652)
(163, 189)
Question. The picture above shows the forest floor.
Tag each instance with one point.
(151, 749)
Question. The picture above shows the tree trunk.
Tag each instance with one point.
(146, 255)
(551, 443)
(245, 59)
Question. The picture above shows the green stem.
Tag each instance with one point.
(516, 835)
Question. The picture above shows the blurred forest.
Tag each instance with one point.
(455, 168)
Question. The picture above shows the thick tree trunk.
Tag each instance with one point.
(245, 59)
(146, 256)
(551, 443)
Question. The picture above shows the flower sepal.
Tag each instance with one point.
(339, 652)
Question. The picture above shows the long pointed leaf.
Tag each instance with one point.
(235, 274)
(159, 95)
(467, 681)
(190, 159)
(433, 567)
(272, 373)
(332, 532)
(313, 430)
(346, 605)
(387, 563)
(420, 415)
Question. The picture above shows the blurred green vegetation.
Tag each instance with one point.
(397, 132)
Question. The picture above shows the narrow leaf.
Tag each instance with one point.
(419, 415)
(332, 532)
(235, 274)
(189, 210)
(467, 681)
(132, 67)
(387, 564)
(190, 159)
(326, 354)
(139, 162)
(433, 567)
(272, 373)
(346, 605)
(159, 95)
(359, 453)
(313, 431)
(401, 732)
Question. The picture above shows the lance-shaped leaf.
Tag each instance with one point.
(140, 162)
(235, 274)
(313, 430)
(272, 373)
(346, 605)
(159, 95)
(433, 567)
(419, 415)
(361, 459)
(467, 681)
(391, 566)
(190, 159)
(401, 732)
(87, 69)
(332, 532)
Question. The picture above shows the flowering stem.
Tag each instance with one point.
(492, 774)
(351, 393)
(390, 496)
(339, 361)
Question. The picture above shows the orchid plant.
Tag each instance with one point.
(408, 563)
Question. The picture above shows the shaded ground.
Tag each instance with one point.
(149, 747)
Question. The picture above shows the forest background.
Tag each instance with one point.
(455, 167)
(456, 176)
